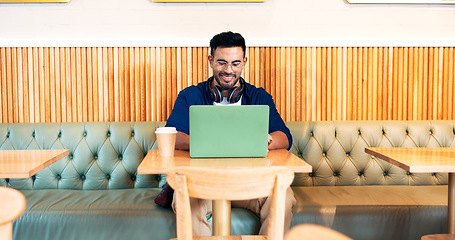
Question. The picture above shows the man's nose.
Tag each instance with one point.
(229, 68)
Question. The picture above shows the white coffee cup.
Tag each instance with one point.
(165, 137)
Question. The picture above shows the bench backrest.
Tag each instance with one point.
(103, 155)
(335, 149)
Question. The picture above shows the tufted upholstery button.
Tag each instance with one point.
(431, 131)
(324, 154)
(360, 133)
(82, 177)
(133, 177)
(311, 174)
(407, 132)
(33, 178)
(383, 132)
(311, 133)
(95, 156)
(433, 174)
(360, 174)
(408, 173)
(348, 154)
(335, 174)
(7, 135)
(7, 180)
(58, 177)
(33, 134)
(132, 134)
(120, 157)
(84, 134)
(385, 174)
(70, 156)
(60, 134)
(108, 133)
(108, 176)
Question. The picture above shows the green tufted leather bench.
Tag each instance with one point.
(360, 195)
(95, 193)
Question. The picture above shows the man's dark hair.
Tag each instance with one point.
(227, 39)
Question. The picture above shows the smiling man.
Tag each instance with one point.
(226, 87)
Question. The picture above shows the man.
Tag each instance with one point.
(227, 87)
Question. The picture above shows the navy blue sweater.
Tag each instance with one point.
(199, 95)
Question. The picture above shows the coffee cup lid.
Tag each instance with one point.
(166, 130)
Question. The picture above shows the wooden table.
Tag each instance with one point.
(26, 163)
(20, 164)
(422, 160)
(153, 164)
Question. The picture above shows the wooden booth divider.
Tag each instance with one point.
(75, 84)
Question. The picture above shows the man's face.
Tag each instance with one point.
(227, 64)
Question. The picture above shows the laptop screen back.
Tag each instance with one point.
(229, 131)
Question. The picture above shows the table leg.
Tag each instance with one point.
(6, 231)
(451, 205)
(221, 215)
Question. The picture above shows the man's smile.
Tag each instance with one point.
(227, 77)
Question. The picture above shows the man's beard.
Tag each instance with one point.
(224, 85)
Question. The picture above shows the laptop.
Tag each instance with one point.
(229, 131)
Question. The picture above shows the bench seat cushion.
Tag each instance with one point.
(112, 214)
(361, 212)
(94, 214)
(374, 212)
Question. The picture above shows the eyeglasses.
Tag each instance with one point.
(223, 64)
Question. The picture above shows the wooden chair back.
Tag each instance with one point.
(12, 207)
(313, 231)
(230, 184)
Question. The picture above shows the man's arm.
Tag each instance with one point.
(182, 141)
(279, 140)
(281, 136)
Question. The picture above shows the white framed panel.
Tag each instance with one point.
(404, 1)
(34, 1)
(206, 1)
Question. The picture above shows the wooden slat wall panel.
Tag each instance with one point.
(40, 84)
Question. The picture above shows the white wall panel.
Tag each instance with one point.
(273, 23)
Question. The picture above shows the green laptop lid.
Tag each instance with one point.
(229, 131)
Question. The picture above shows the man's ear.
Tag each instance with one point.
(210, 57)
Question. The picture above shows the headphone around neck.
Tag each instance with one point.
(217, 96)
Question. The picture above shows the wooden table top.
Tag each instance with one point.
(26, 163)
(153, 164)
(439, 237)
(418, 159)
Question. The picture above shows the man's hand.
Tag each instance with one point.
(279, 140)
(182, 141)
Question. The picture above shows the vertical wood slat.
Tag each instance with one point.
(14, 84)
(362, 83)
(70, 84)
(450, 104)
(3, 110)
